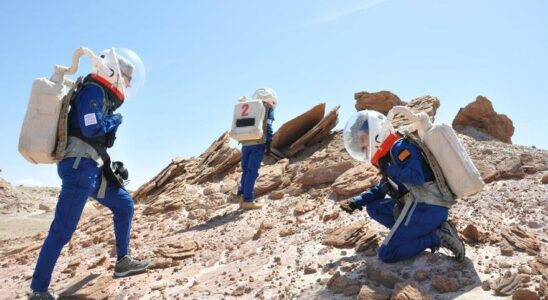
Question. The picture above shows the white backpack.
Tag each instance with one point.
(248, 122)
(459, 172)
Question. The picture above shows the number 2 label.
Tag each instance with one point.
(245, 108)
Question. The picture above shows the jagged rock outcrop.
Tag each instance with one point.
(356, 180)
(481, 115)
(381, 101)
(305, 130)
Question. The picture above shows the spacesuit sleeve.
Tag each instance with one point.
(269, 120)
(374, 193)
(91, 119)
(408, 167)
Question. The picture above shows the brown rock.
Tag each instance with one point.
(521, 239)
(409, 291)
(487, 171)
(287, 232)
(316, 134)
(381, 101)
(161, 263)
(382, 276)
(427, 104)
(44, 207)
(92, 286)
(309, 270)
(339, 283)
(506, 284)
(539, 265)
(510, 168)
(179, 249)
(481, 115)
(294, 129)
(524, 294)
(303, 207)
(276, 195)
(472, 233)
(444, 284)
(331, 216)
(421, 275)
(346, 236)
(356, 180)
(325, 174)
(367, 293)
(270, 177)
(262, 228)
(544, 179)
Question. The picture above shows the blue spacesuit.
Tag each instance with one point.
(91, 117)
(252, 156)
(409, 178)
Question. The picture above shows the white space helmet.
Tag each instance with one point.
(267, 95)
(364, 132)
(123, 69)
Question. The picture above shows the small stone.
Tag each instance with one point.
(444, 284)
(309, 270)
(524, 294)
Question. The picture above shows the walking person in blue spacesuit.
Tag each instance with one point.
(415, 210)
(254, 151)
(92, 126)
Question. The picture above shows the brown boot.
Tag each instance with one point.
(250, 205)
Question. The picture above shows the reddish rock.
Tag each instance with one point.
(270, 177)
(510, 168)
(339, 283)
(294, 129)
(331, 216)
(382, 276)
(276, 195)
(356, 180)
(381, 101)
(325, 174)
(521, 239)
(367, 293)
(506, 284)
(409, 291)
(444, 284)
(472, 233)
(544, 179)
(487, 171)
(481, 115)
(303, 207)
(524, 294)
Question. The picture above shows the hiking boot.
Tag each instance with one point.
(41, 296)
(451, 241)
(250, 205)
(128, 265)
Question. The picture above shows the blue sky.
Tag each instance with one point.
(202, 55)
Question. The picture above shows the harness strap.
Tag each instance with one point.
(409, 200)
(102, 188)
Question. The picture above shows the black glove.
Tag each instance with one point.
(267, 149)
(383, 163)
(349, 206)
(120, 170)
(110, 137)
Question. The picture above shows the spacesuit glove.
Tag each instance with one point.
(350, 206)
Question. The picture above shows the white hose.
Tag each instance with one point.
(59, 72)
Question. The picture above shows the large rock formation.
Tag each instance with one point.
(481, 115)
(381, 101)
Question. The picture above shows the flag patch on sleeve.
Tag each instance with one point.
(405, 154)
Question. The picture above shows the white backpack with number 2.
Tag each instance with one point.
(248, 120)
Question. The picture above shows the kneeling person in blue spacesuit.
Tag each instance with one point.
(92, 126)
(415, 211)
(253, 152)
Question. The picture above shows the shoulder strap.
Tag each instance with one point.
(62, 127)
(434, 165)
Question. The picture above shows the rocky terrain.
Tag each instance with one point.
(300, 245)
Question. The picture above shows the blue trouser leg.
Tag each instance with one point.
(78, 185)
(254, 155)
(245, 163)
(413, 238)
(120, 203)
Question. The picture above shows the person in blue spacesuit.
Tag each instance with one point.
(92, 126)
(415, 210)
(253, 152)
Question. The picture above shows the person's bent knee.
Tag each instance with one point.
(387, 255)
